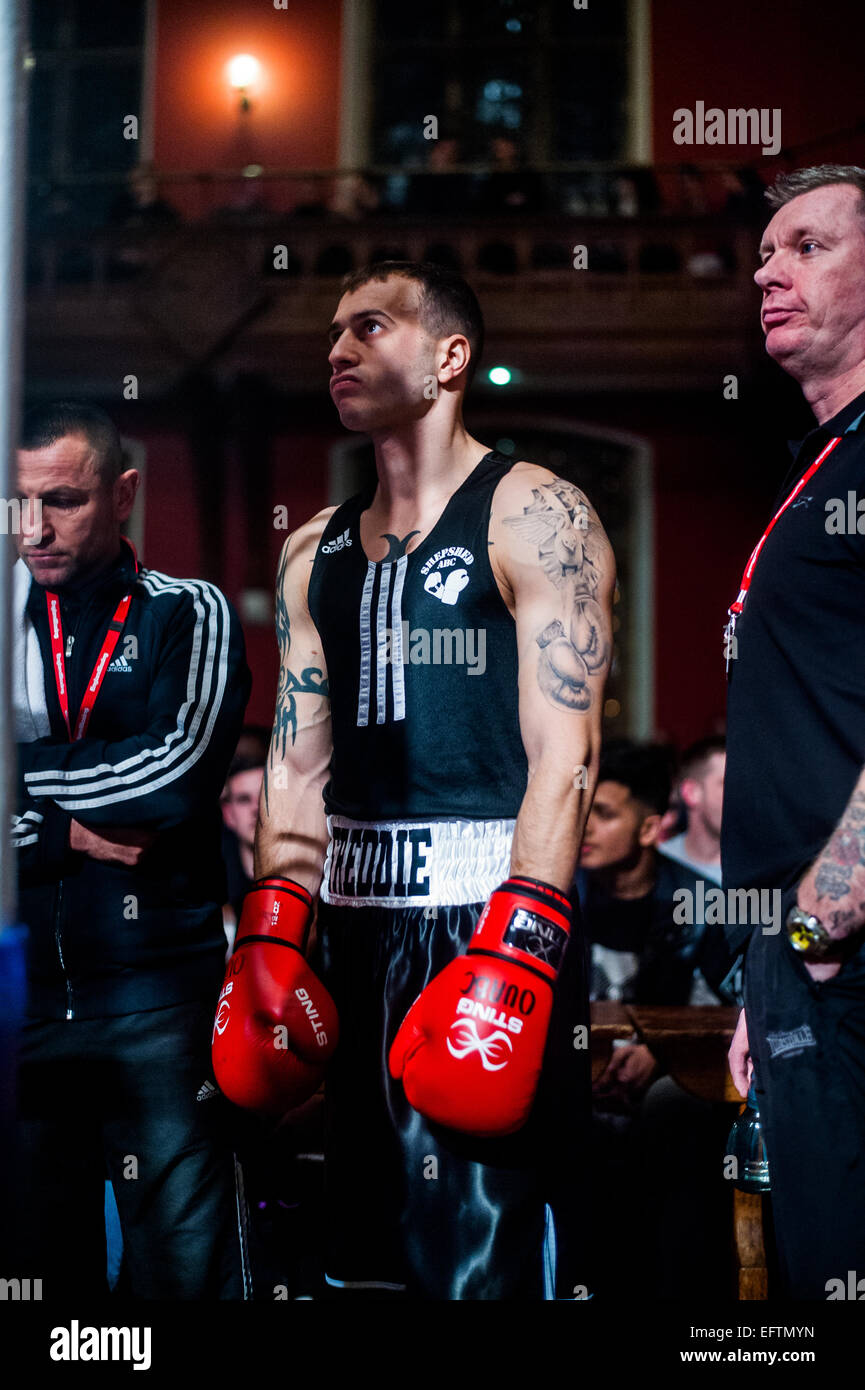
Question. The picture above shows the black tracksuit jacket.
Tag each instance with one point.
(105, 939)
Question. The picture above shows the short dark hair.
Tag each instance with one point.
(789, 186)
(646, 769)
(448, 304)
(244, 762)
(696, 758)
(45, 424)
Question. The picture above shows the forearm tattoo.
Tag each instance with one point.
(574, 646)
(841, 862)
(311, 681)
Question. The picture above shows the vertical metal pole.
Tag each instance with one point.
(13, 129)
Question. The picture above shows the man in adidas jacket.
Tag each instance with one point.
(129, 694)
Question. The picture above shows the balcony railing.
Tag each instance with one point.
(662, 292)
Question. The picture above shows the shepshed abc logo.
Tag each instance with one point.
(443, 575)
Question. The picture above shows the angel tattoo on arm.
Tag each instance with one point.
(574, 646)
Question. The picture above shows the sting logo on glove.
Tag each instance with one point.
(272, 1037)
(536, 936)
(499, 990)
(223, 1009)
(313, 1015)
(488, 1048)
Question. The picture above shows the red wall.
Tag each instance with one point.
(300, 464)
(803, 57)
(708, 515)
(714, 479)
(294, 118)
(172, 527)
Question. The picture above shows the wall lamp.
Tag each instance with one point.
(243, 72)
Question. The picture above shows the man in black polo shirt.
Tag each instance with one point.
(794, 805)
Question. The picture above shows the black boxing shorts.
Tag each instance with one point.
(412, 1206)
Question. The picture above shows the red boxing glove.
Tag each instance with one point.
(471, 1046)
(275, 1024)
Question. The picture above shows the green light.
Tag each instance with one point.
(499, 376)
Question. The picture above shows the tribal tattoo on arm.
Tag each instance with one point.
(570, 549)
(311, 681)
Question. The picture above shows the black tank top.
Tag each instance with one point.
(422, 666)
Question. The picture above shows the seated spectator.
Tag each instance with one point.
(746, 195)
(248, 203)
(693, 198)
(639, 952)
(440, 189)
(508, 187)
(138, 208)
(354, 195)
(310, 199)
(139, 205)
(626, 200)
(642, 1120)
(253, 743)
(701, 791)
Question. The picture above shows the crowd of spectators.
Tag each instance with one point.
(503, 186)
(143, 219)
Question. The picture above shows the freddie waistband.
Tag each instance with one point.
(442, 863)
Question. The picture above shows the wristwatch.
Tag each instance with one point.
(807, 935)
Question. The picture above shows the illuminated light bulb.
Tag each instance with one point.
(243, 70)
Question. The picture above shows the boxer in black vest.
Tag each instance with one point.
(445, 638)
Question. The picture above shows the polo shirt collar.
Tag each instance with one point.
(848, 419)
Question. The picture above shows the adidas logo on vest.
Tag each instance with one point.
(338, 543)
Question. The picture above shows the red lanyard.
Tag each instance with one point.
(736, 608)
(55, 629)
